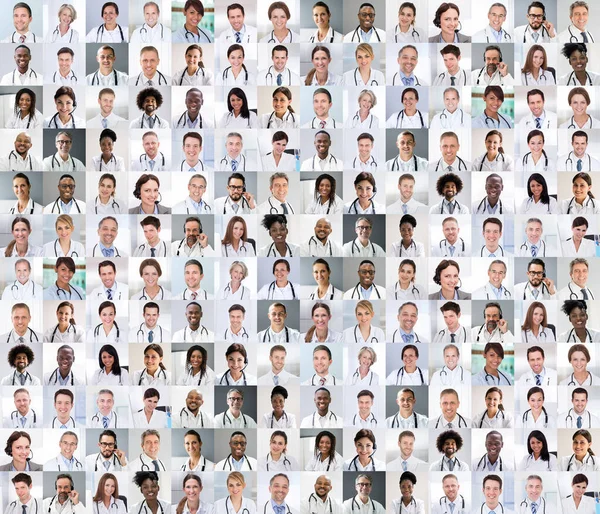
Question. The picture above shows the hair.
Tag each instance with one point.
(200, 63)
(146, 93)
(158, 349)
(579, 478)
(65, 90)
(67, 261)
(409, 90)
(370, 94)
(22, 477)
(579, 390)
(310, 75)
(279, 5)
(65, 392)
(445, 6)
(320, 435)
(71, 306)
(365, 432)
(584, 176)
(495, 90)
(444, 179)
(193, 135)
(370, 351)
(569, 305)
(528, 66)
(18, 349)
(10, 247)
(270, 219)
(539, 178)
(239, 264)
(310, 332)
(228, 238)
(499, 391)
(143, 179)
(17, 434)
(537, 434)
(70, 8)
(528, 323)
(190, 476)
(450, 49)
(99, 495)
(409, 347)
(579, 91)
(497, 348)
(569, 49)
(244, 111)
(141, 476)
(281, 261)
(18, 96)
(584, 433)
(444, 436)
(236, 475)
(332, 181)
(284, 91)
(365, 304)
(196, 4)
(579, 348)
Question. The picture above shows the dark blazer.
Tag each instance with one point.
(461, 295)
(461, 38)
(32, 465)
(161, 209)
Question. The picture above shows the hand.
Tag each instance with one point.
(503, 68)
(250, 198)
(550, 28)
(503, 325)
(74, 495)
(203, 239)
(550, 284)
(121, 456)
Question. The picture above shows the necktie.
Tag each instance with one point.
(492, 512)
(194, 295)
(235, 207)
(538, 123)
(276, 379)
(533, 250)
(585, 295)
(407, 338)
(23, 420)
(322, 381)
(150, 83)
(407, 81)
(450, 425)
(579, 164)
(535, 37)
(151, 122)
(279, 509)
(106, 464)
(452, 507)
(193, 170)
(535, 293)
(152, 163)
(285, 209)
(453, 81)
(104, 421)
(585, 40)
(63, 426)
(538, 380)
(404, 466)
(404, 208)
(104, 123)
(24, 509)
(151, 336)
(109, 294)
(322, 124)
(107, 252)
(152, 252)
(279, 79)
(579, 423)
(452, 338)
(451, 465)
(533, 507)
(450, 168)
(238, 37)
(492, 255)
(234, 165)
(22, 39)
(156, 468)
(22, 379)
(451, 207)
(452, 248)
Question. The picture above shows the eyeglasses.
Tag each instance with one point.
(235, 188)
(363, 484)
(107, 445)
(363, 227)
(235, 399)
(536, 273)
(238, 443)
(366, 272)
(536, 16)
(63, 142)
(67, 186)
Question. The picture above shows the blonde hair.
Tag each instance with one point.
(366, 47)
(65, 218)
(370, 94)
(366, 349)
(365, 304)
(242, 265)
(70, 8)
(236, 475)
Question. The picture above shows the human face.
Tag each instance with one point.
(235, 188)
(108, 232)
(152, 234)
(579, 18)
(493, 187)
(451, 487)
(21, 449)
(196, 186)
(281, 273)
(406, 232)
(22, 491)
(406, 402)
(493, 445)
(194, 400)
(451, 101)
(492, 235)
(536, 189)
(321, 61)
(366, 18)
(151, 145)
(578, 360)
(280, 104)
(278, 232)
(234, 144)
(320, 274)
(277, 359)
(21, 19)
(408, 60)
(579, 274)
(364, 317)
(237, 445)
(151, 361)
(63, 489)
(192, 17)
(536, 361)
(534, 489)
(451, 63)
(109, 487)
(496, 274)
(25, 103)
(22, 402)
(451, 319)
(277, 317)
(63, 145)
(536, 446)
(322, 144)
(65, 359)
(325, 444)
(449, 448)
(149, 489)
(236, 59)
(151, 446)
(406, 145)
(492, 360)
(109, 15)
(496, 17)
(449, 278)
(192, 276)
(279, 189)
(323, 229)
(192, 446)
(364, 447)
(106, 146)
(21, 189)
(151, 316)
(364, 148)
(491, 58)
(365, 103)
(364, 190)
(22, 58)
(579, 489)
(409, 100)
(66, 189)
(492, 143)
(68, 445)
(537, 60)
(581, 189)
(578, 61)
(236, 19)
(538, 316)
(234, 486)
(406, 489)
(321, 106)
(192, 59)
(65, 61)
(65, 17)
(492, 400)
(408, 318)
(193, 315)
(366, 275)
(106, 60)
(235, 360)
(107, 315)
(63, 406)
(106, 103)
(580, 447)
(108, 360)
(579, 402)
(277, 445)
(21, 233)
(149, 105)
(105, 403)
(279, 146)
(406, 275)
(192, 490)
(321, 361)
(536, 401)
(107, 276)
(492, 491)
(322, 486)
(364, 405)
(492, 102)
(237, 274)
(106, 189)
(409, 358)
(151, 14)
(406, 17)
(320, 17)
(449, 404)
(363, 230)
(579, 105)
(536, 17)
(279, 59)
(449, 147)
(192, 232)
(534, 231)
(449, 21)
(279, 20)
(149, 61)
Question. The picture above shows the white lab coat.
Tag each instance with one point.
(314, 505)
(286, 163)
(447, 377)
(14, 162)
(587, 505)
(99, 34)
(283, 377)
(141, 377)
(415, 506)
(101, 378)
(228, 420)
(16, 122)
(51, 378)
(501, 379)
(523, 35)
(316, 464)
(354, 335)
(569, 419)
(98, 335)
(529, 464)
(574, 292)
(442, 506)
(355, 249)
(268, 77)
(57, 464)
(315, 163)
(446, 120)
(201, 335)
(527, 421)
(15, 291)
(412, 464)
(527, 380)
(487, 36)
(530, 207)
(287, 420)
(186, 419)
(54, 250)
(549, 121)
(415, 420)
(144, 463)
(113, 420)
(230, 121)
(285, 463)
(480, 77)
(330, 420)
(502, 419)
(16, 507)
(226, 464)
(570, 463)
(147, 35)
(158, 419)
(116, 507)
(573, 35)
(355, 293)
(15, 78)
(14, 421)
(442, 465)
(188, 379)
(331, 294)
(141, 334)
(202, 77)
(68, 507)
(371, 507)
(142, 507)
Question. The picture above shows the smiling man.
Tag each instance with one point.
(408, 59)
(277, 203)
(406, 160)
(450, 417)
(322, 160)
(151, 31)
(449, 443)
(450, 160)
(106, 74)
(494, 71)
(149, 100)
(277, 332)
(195, 241)
(194, 331)
(366, 31)
(577, 31)
(192, 118)
(62, 160)
(21, 159)
(492, 203)
(322, 417)
(237, 459)
(150, 75)
(192, 415)
(22, 75)
(322, 361)
(321, 244)
(492, 492)
(366, 289)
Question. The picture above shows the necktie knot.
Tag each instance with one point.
(279, 509)
(106, 464)
(152, 252)
(452, 248)
(150, 83)
(407, 338)
(194, 296)
(450, 425)
(451, 465)
(21, 339)
(238, 37)
(22, 378)
(450, 168)
(322, 124)
(279, 79)
(453, 81)
(404, 208)
(22, 39)
(538, 123)
(538, 380)
(24, 509)
(107, 252)
(151, 122)
(535, 37)
(109, 294)
(452, 338)
(408, 81)
(234, 165)
(104, 123)
(322, 381)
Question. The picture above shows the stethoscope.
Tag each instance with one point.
(482, 204)
(273, 285)
(354, 462)
(412, 245)
(441, 77)
(331, 296)
(107, 166)
(270, 74)
(162, 511)
(483, 505)
(30, 73)
(52, 501)
(460, 420)
(14, 417)
(441, 335)
(542, 333)
(137, 334)
(572, 380)
(489, 376)
(505, 292)
(372, 164)
(161, 370)
(76, 464)
(145, 156)
(358, 249)
(142, 247)
(400, 374)
(243, 200)
(288, 114)
(524, 41)
(356, 375)
(115, 205)
(56, 35)
(13, 505)
(372, 423)
(156, 120)
(331, 157)
(186, 289)
(273, 39)
(530, 202)
(143, 29)
(198, 71)
(356, 293)
(187, 413)
(445, 123)
(499, 248)
(496, 159)
(416, 341)
(412, 504)
(15, 286)
(501, 83)
(100, 33)
(195, 39)
(55, 118)
(64, 292)
(227, 291)
(443, 372)
(460, 163)
(456, 206)
(114, 459)
(13, 154)
(331, 415)
(313, 497)
(226, 416)
(72, 79)
(396, 420)
(58, 163)
(312, 382)
(56, 204)
(573, 126)
(445, 498)
(544, 286)
(542, 244)
(572, 39)
(507, 39)
(70, 419)
(96, 78)
(414, 34)
(242, 156)
(573, 294)
(32, 334)
(354, 499)
(143, 296)
(372, 82)
(313, 240)
(202, 330)
(400, 119)
(542, 75)
(585, 206)
(287, 465)
(481, 464)
(72, 253)
(27, 377)
(231, 468)
(314, 39)
(274, 250)
(396, 163)
(146, 467)
(356, 120)
(228, 372)
(355, 34)
(585, 462)
(98, 327)
(494, 122)
(526, 417)
(498, 415)
(226, 75)
(542, 500)
(183, 468)
(160, 77)
(245, 509)
(273, 209)
(284, 415)
(97, 417)
(55, 372)
(572, 76)
(18, 117)
(568, 416)
(372, 339)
